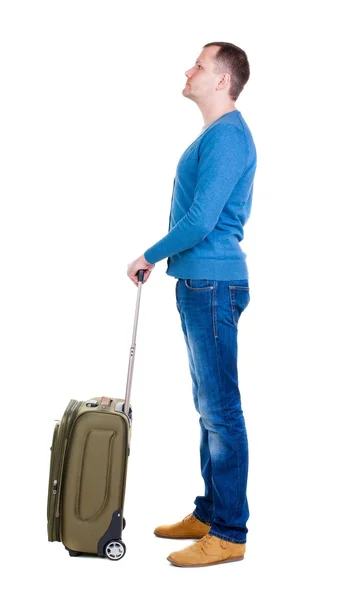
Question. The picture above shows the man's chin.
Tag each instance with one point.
(186, 92)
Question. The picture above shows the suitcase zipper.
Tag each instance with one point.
(52, 468)
(59, 450)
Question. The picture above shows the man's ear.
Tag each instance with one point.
(225, 80)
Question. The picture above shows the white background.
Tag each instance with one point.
(93, 123)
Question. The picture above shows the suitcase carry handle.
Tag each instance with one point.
(140, 276)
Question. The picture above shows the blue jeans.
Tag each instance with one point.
(209, 312)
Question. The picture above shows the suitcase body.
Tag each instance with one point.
(88, 469)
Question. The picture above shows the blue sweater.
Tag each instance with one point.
(211, 202)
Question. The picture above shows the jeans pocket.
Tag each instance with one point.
(198, 285)
(240, 298)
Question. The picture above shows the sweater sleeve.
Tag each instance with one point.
(223, 156)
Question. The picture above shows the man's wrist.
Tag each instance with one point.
(148, 263)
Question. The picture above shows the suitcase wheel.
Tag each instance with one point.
(73, 553)
(115, 549)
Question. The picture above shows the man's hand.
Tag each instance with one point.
(136, 265)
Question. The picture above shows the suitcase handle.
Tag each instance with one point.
(140, 277)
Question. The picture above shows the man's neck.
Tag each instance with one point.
(211, 114)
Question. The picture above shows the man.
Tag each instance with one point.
(211, 203)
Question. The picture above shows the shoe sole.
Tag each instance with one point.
(178, 537)
(219, 562)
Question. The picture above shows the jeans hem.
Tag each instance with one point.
(199, 517)
(226, 538)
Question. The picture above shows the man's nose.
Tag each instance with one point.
(188, 73)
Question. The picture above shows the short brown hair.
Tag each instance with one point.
(232, 59)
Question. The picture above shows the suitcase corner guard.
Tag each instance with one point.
(114, 532)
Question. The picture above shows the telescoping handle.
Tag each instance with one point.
(140, 276)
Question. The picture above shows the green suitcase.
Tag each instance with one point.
(88, 470)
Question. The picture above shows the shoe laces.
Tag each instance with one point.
(206, 540)
(190, 518)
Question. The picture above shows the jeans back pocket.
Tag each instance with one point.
(240, 298)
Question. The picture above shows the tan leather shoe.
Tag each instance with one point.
(189, 528)
(210, 550)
